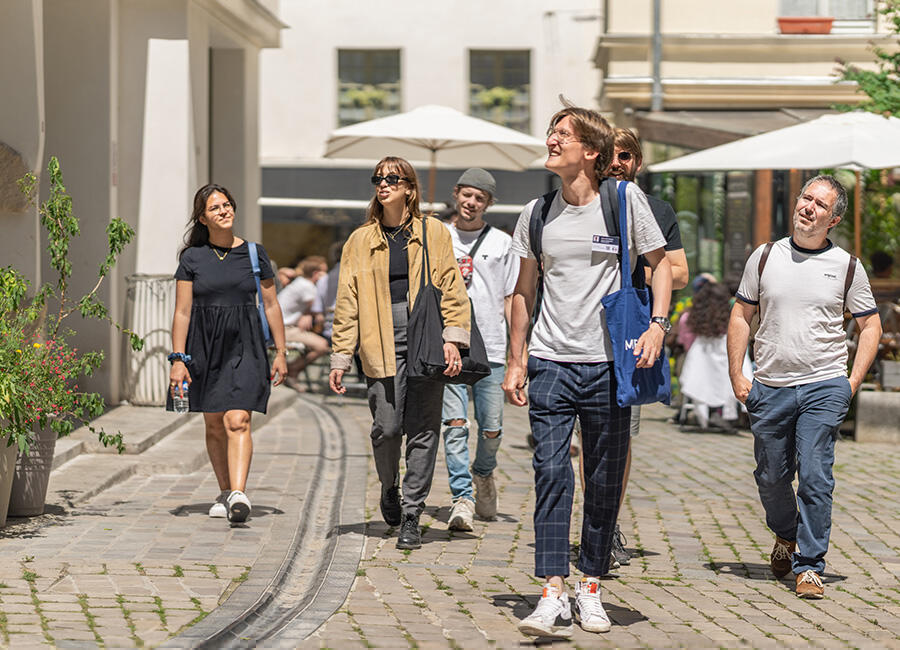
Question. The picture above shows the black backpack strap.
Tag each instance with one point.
(763, 259)
(478, 241)
(539, 214)
(848, 279)
(609, 204)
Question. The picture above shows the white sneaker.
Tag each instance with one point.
(485, 496)
(238, 507)
(219, 509)
(589, 610)
(552, 617)
(461, 514)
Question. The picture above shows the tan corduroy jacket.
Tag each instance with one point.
(362, 313)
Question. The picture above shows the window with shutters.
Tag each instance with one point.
(368, 85)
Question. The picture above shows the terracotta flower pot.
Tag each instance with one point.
(29, 487)
(805, 24)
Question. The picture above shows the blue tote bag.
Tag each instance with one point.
(627, 317)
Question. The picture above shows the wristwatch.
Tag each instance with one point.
(663, 322)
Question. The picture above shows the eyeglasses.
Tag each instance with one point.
(562, 136)
(624, 156)
(215, 209)
(392, 179)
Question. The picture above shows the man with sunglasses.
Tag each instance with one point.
(570, 361)
(626, 163)
(489, 270)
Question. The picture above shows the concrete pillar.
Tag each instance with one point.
(21, 132)
(166, 157)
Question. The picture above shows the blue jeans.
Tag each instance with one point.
(794, 430)
(558, 392)
(488, 397)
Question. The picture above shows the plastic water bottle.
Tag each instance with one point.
(180, 402)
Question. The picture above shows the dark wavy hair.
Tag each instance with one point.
(710, 311)
(197, 234)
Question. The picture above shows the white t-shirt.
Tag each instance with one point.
(571, 326)
(494, 271)
(801, 333)
(296, 299)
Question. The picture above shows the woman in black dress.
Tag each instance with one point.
(218, 343)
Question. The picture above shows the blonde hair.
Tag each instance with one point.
(375, 211)
(592, 130)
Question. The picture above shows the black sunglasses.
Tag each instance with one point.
(624, 156)
(392, 179)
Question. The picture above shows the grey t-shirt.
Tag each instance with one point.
(579, 272)
(801, 333)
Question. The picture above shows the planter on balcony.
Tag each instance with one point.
(805, 24)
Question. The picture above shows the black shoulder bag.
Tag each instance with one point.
(425, 335)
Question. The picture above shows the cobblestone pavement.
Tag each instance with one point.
(700, 577)
(141, 561)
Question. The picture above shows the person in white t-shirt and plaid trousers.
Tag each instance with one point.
(489, 269)
(570, 366)
(800, 394)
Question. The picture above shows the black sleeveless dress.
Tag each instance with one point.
(229, 366)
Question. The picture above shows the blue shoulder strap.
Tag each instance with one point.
(254, 262)
(623, 236)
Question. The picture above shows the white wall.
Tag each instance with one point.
(298, 83)
(21, 130)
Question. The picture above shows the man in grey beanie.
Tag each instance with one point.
(489, 270)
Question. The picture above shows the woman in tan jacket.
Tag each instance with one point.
(381, 267)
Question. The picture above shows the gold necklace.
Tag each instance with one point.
(221, 257)
(392, 235)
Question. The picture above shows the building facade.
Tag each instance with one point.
(142, 101)
(505, 61)
(725, 71)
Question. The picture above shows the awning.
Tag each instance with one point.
(703, 129)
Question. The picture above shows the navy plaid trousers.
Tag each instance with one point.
(558, 392)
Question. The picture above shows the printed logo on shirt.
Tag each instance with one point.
(831, 276)
(466, 268)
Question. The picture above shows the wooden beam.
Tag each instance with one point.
(762, 221)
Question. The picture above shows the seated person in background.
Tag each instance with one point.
(296, 301)
(704, 377)
(284, 276)
(326, 290)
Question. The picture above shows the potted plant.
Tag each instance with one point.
(39, 389)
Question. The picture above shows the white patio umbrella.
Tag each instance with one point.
(439, 135)
(856, 140)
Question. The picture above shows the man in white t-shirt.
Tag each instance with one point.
(489, 270)
(800, 395)
(570, 362)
